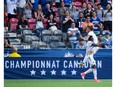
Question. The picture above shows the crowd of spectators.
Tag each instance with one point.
(69, 16)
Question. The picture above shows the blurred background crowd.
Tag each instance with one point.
(36, 24)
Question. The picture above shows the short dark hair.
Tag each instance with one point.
(94, 11)
(80, 12)
(108, 4)
(98, 4)
(87, 16)
(81, 39)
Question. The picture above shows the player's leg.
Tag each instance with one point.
(94, 69)
(95, 73)
(86, 72)
(84, 60)
(95, 49)
(83, 74)
(87, 58)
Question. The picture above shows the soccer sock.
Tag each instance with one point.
(95, 73)
(88, 71)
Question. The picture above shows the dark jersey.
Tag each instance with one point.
(79, 23)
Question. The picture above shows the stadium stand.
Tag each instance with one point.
(44, 37)
(32, 24)
(13, 24)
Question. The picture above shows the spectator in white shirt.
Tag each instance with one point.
(108, 18)
(73, 34)
(21, 4)
(11, 9)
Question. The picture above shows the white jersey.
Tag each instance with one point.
(95, 39)
(89, 46)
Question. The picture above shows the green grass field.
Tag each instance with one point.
(56, 83)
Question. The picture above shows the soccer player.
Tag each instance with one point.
(91, 48)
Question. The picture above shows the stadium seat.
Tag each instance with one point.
(46, 39)
(19, 46)
(27, 39)
(53, 45)
(61, 45)
(13, 24)
(32, 23)
(35, 38)
(35, 44)
(6, 35)
(42, 45)
(46, 33)
(14, 40)
(27, 32)
(11, 34)
(55, 39)
(64, 36)
(15, 43)
(58, 33)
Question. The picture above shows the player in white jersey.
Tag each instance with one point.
(91, 48)
(89, 30)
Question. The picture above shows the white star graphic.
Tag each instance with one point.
(53, 72)
(43, 72)
(33, 72)
(74, 72)
(63, 72)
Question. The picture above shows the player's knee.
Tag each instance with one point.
(94, 66)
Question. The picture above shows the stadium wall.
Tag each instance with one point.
(56, 67)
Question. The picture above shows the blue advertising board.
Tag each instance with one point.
(54, 68)
(58, 52)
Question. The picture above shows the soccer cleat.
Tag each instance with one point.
(83, 75)
(81, 64)
(96, 80)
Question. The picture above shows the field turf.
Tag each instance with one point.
(56, 83)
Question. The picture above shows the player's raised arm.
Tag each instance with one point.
(86, 39)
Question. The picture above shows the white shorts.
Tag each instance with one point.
(95, 49)
(89, 59)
